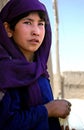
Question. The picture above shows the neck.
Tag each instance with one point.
(30, 58)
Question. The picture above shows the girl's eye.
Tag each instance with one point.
(42, 23)
(27, 22)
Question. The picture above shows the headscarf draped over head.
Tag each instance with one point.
(15, 71)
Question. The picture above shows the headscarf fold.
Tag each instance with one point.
(15, 71)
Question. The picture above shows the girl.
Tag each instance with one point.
(25, 40)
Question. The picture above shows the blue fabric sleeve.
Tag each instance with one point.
(46, 90)
(47, 96)
(13, 118)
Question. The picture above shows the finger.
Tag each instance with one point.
(69, 108)
(67, 128)
(62, 127)
(68, 103)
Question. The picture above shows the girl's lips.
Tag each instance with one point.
(34, 41)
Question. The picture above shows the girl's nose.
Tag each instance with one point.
(35, 31)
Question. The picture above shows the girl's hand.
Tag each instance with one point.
(58, 108)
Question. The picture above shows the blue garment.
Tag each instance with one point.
(15, 114)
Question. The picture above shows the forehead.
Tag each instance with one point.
(33, 15)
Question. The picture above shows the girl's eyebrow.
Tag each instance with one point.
(30, 19)
(26, 18)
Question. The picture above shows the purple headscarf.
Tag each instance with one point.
(15, 71)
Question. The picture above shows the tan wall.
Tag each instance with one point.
(73, 85)
(74, 91)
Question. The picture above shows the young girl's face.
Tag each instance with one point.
(29, 33)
